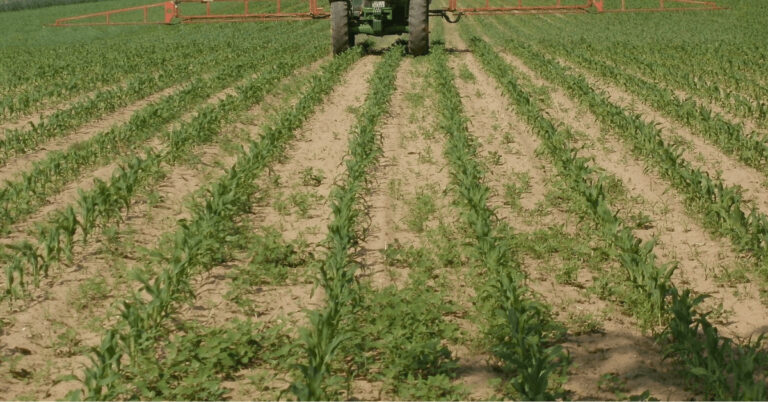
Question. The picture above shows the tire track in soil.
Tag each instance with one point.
(620, 348)
(680, 238)
(406, 166)
(701, 154)
(490, 119)
(148, 223)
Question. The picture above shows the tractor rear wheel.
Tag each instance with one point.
(341, 37)
(418, 27)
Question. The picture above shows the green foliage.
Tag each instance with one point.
(420, 209)
(513, 191)
(519, 328)
(194, 363)
(15, 5)
(104, 204)
(326, 334)
(405, 332)
(465, 74)
(434, 388)
(312, 177)
(273, 261)
(720, 206)
(720, 367)
(91, 291)
(196, 246)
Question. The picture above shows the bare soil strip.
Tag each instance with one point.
(506, 143)
(412, 164)
(320, 148)
(409, 190)
(490, 121)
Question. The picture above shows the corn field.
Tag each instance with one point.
(544, 207)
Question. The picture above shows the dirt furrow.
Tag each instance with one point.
(295, 207)
(412, 168)
(507, 145)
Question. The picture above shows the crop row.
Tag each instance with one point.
(519, 327)
(721, 206)
(120, 366)
(724, 63)
(324, 335)
(23, 196)
(104, 204)
(714, 364)
(690, 82)
(44, 76)
(64, 121)
(750, 148)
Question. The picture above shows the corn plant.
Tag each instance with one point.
(20, 198)
(721, 368)
(323, 337)
(721, 207)
(520, 328)
(196, 247)
(104, 203)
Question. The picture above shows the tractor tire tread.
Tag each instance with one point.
(418, 27)
(341, 37)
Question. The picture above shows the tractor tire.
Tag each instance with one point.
(341, 37)
(418, 27)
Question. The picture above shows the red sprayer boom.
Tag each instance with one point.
(199, 11)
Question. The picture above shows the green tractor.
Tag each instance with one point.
(379, 18)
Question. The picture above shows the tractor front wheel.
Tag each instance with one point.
(418, 27)
(341, 37)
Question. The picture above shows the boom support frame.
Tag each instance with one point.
(172, 12)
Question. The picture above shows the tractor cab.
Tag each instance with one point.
(379, 18)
